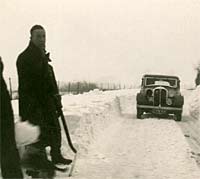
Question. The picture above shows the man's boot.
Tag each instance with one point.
(59, 159)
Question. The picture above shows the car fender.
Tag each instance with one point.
(141, 98)
(179, 100)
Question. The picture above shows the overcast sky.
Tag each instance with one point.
(106, 40)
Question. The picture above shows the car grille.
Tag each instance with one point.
(160, 97)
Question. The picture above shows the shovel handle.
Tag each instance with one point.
(67, 132)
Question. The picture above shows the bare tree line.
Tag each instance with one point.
(79, 87)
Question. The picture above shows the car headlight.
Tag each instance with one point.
(169, 101)
(149, 92)
(171, 94)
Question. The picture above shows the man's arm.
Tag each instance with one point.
(55, 90)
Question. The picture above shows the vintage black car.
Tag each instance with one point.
(160, 95)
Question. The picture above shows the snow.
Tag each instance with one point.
(91, 113)
(142, 149)
(112, 143)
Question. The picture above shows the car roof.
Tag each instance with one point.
(160, 76)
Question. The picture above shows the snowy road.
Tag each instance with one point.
(139, 149)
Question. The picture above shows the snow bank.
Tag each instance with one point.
(89, 114)
(194, 103)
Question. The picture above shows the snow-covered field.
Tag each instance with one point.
(112, 143)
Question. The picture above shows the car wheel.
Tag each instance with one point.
(139, 113)
(178, 116)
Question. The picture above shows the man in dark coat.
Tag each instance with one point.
(10, 161)
(38, 93)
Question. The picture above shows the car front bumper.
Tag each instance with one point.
(159, 109)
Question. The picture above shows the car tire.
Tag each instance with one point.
(139, 113)
(178, 116)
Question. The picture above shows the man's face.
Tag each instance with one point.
(38, 37)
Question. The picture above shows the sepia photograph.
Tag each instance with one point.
(100, 89)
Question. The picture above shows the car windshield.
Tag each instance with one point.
(151, 81)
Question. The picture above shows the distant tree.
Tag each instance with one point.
(197, 79)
